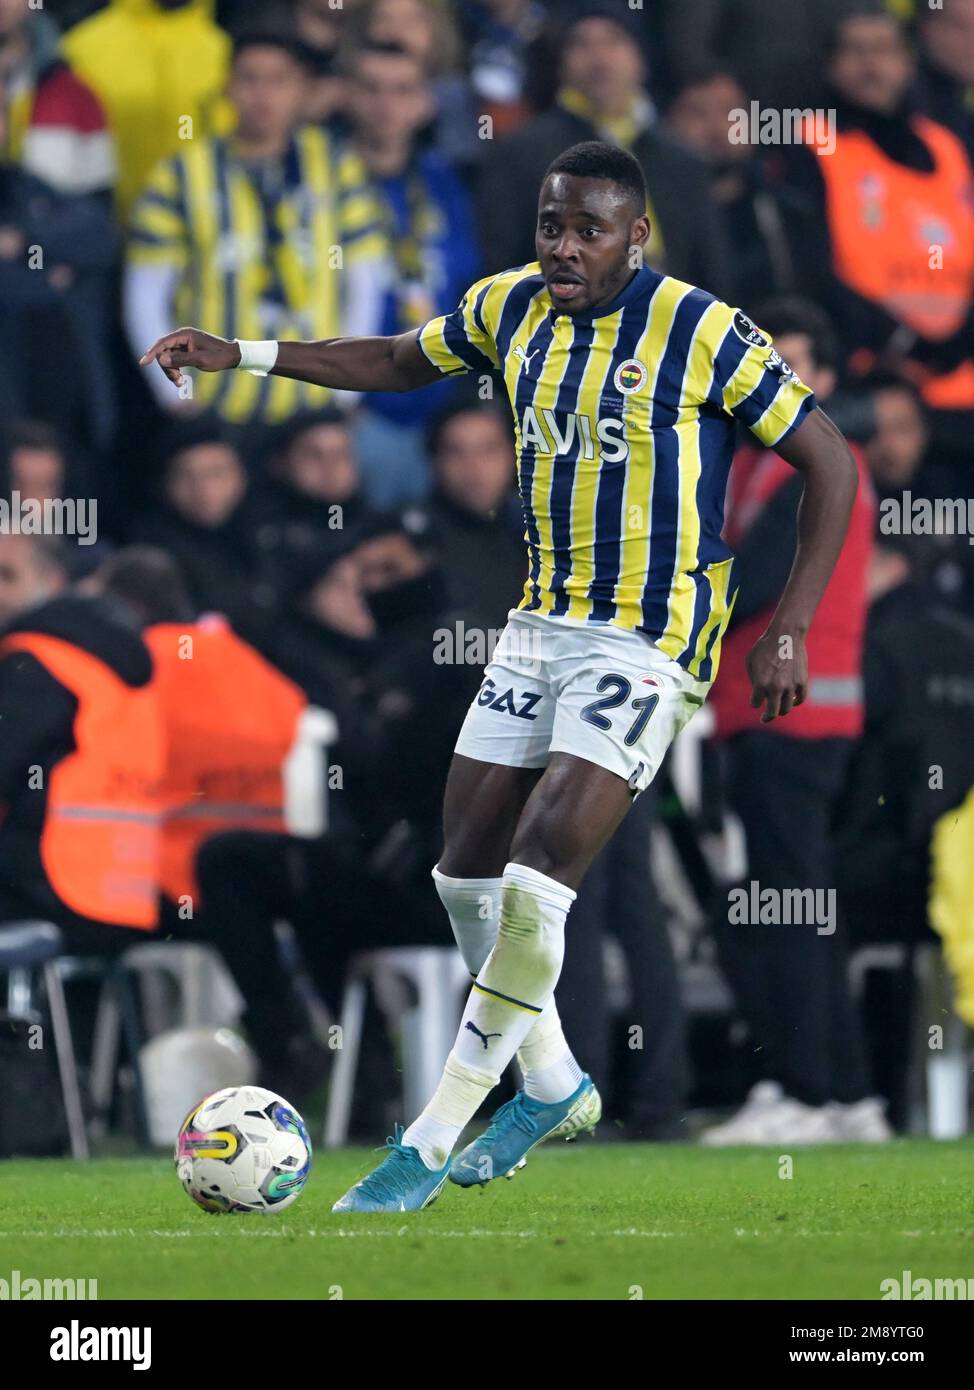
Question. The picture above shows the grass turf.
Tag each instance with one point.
(581, 1221)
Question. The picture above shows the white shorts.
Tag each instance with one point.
(599, 692)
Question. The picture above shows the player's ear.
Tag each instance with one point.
(639, 235)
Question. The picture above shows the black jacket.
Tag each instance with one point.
(483, 559)
(915, 761)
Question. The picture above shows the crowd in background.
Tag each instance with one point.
(309, 170)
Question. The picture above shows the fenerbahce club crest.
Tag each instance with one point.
(629, 376)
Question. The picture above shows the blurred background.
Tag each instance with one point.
(242, 621)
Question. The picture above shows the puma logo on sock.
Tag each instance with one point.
(484, 1037)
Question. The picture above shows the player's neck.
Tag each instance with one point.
(614, 293)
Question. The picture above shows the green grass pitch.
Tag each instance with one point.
(583, 1221)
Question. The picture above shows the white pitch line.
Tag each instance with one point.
(209, 1230)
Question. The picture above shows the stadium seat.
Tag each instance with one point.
(420, 991)
(149, 988)
(29, 952)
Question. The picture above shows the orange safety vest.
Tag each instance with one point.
(230, 719)
(100, 839)
(886, 222)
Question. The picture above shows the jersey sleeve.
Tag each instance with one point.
(158, 233)
(750, 380)
(361, 225)
(464, 340)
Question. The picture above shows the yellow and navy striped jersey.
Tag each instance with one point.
(625, 423)
(259, 262)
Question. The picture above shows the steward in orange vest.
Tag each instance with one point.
(893, 192)
(902, 238)
(81, 760)
(230, 718)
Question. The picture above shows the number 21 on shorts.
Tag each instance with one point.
(620, 690)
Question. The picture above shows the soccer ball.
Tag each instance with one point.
(243, 1149)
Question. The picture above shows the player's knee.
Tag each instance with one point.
(540, 844)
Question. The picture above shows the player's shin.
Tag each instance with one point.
(473, 905)
(510, 994)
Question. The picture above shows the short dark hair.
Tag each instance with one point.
(594, 159)
(464, 404)
(150, 581)
(34, 434)
(703, 74)
(380, 48)
(192, 433)
(789, 314)
(859, 9)
(285, 436)
(287, 41)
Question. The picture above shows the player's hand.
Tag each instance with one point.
(777, 665)
(191, 347)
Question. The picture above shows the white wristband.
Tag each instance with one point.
(257, 357)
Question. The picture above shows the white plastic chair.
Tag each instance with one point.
(421, 992)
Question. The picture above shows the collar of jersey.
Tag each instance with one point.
(641, 283)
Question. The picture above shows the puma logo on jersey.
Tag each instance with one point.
(525, 358)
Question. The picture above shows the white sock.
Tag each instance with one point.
(510, 994)
(473, 905)
(549, 1069)
(474, 908)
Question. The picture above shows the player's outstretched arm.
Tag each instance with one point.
(345, 364)
(777, 663)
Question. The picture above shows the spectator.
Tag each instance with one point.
(472, 520)
(752, 201)
(915, 760)
(296, 258)
(55, 252)
(158, 67)
(778, 54)
(783, 781)
(229, 720)
(281, 276)
(896, 267)
(602, 95)
(34, 464)
(201, 518)
(317, 24)
(322, 633)
(505, 40)
(945, 76)
(430, 230)
(79, 848)
(313, 493)
(898, 456)
(426, 29)
(914, 765)
(56, 128)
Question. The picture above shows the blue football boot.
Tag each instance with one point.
(402, 1182)
(521, 1124)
